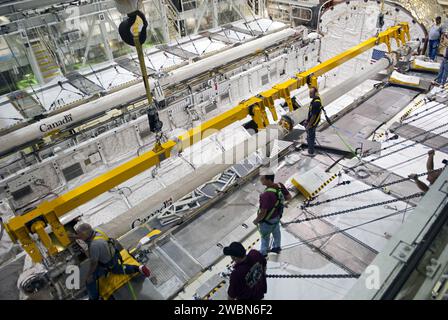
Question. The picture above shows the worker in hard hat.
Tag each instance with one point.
(313, 121)
(104, 254)
(272, 202)
(432, 174)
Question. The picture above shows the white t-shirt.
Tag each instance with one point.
(435, 32)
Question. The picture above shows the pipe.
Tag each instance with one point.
(330, 95)
(173, 192)
(38, 130)
(334, 93)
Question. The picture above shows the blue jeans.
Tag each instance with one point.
(311, 139)
(443, 73)
(266, 230)
(433, 48)
(114, 266)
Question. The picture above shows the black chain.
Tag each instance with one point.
(415, 195)
(418, 135)
(423, 116)
(289, 276)
(405, 147)
(306, 205)
(315, 276)
(327, 235)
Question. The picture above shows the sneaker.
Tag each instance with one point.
(144, 271)
(300, 141)
(276, 250)
(307, 154)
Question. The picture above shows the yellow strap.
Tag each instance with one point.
(316, 122)
(102, 235)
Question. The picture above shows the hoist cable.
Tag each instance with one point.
(362, 162)
(323, 236)
(347, 145)
(377, 204)
(367, 190)
(418, 135)
(425, 110)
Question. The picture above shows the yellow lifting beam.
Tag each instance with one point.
(20, 228)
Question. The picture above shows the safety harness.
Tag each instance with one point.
(112, 245)
(316, 122)
(279, 204)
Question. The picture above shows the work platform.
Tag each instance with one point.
(322, 246)
(187, 261)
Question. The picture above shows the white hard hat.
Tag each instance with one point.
(127, 6)
(266, 171)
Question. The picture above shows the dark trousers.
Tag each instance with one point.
(443, 73)
(433, 48)
(114, 266)
(311, 139)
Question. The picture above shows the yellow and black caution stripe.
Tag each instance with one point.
(253, 244)
(380, 135)
(308, 195)
(214, 290)
(323, 185)
(415, 106)
(223, 282)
